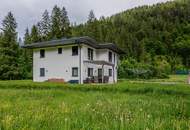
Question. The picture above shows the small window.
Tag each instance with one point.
(42, 53)
(59, 50)
(75, 50)
(110, 56)
(90, 72)
(42, 72)
(114, 58)
(75, 72)
(110, 72)
(90, 54)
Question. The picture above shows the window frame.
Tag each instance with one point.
(42, 53)
(60, 50)
(90, 72)
(110, 56)
(76, 49)
(73, 69)
(90, 54)
(110, 72)
(42, 72)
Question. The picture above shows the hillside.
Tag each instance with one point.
(145, 32)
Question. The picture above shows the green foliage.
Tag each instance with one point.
(60, 26)
(158, 67)
(9, 50)
(130, 68)
(161, 67)
(161, 29)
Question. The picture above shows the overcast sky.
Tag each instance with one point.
(28, 12)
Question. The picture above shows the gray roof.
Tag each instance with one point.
(75, 40)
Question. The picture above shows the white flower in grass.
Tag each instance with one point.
(148, 116)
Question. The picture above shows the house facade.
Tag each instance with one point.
(75, 60)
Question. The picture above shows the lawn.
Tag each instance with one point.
(126, 105)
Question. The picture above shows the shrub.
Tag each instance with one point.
(159, 68)
(130, 68)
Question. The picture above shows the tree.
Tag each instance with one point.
(9, 51)
(27, 39)
(92, 26)
(91, 17)
(45, 25)
(27, 57)
(34, 37)
(55, 18)
(65, 23)
(60, 23)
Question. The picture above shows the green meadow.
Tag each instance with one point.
(127, 105)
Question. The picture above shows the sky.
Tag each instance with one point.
(28, 12)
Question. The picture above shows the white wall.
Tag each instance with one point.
(60, 65)
(102, 55)
(56, 65)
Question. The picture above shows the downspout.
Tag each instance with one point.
(113, 73)
(80, 73)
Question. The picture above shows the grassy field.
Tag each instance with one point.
(134, 105)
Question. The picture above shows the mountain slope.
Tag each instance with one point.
(162, 29)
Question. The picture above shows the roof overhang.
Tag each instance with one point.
(75, 41)
(98, 62)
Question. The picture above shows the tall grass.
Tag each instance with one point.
(28, 105)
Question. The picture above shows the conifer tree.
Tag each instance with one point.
(45, 26)
(55, 18)
(9, 51)
(34, 36)
(91, 17)
(27, 56)
(65, 23)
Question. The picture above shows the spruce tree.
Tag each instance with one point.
(34, 36)
(92, 26)
(65, 23)
(45, 26)
(27, 56)
(55, 18)
(27, 39)
(91, 17)
(9, 51)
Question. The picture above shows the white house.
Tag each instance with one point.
(75, 60)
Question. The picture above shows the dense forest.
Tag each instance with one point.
(156, 39)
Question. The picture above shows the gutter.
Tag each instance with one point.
(80, 61)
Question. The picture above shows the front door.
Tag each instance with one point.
(100, 75)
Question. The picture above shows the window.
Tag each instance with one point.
(90, 72)
(42, 53)
(42, 72)
(99, 72)
(75, 50)
(59, 50)
(114, 58)
(90, 54)
(110, 56)
(75, 72)
(110, 72)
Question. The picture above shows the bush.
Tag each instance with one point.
(159, 68)
(130, 68)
